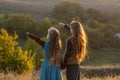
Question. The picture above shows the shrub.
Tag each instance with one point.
(20, 23)
(32, 45)
(12, 57)
(65, 11)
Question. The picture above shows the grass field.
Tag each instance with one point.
(104, 57)
(35, 76)
(40, 9)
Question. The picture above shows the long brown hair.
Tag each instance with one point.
(55, 46)
(79, 40)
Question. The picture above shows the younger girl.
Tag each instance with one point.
(52, 54)
(75, 50)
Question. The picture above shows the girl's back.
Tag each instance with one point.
(49, 71)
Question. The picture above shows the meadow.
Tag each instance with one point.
(35, 76)
(103, 57)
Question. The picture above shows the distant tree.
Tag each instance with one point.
(109, 30)
(65, 11)
(97, 15)
(114, 19)
(110, 26)
(44, 25)
(93, 23)
(2, 20)
(20, 23)
(95, 38)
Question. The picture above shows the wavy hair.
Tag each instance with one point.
(79, 40)
(55, 46)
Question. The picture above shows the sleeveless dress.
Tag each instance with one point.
(49, 72)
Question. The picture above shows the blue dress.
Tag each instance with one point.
(49, 72)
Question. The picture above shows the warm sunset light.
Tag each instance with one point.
(59, 39)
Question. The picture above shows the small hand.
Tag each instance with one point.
(61, 24)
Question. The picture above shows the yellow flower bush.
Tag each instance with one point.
(12, 57)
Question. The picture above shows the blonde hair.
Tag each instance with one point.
(55, 46)
(79, 40)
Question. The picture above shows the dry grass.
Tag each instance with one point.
(35, 76)
(25, 76)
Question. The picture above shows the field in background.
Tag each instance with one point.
(40, 9)
(103, 57)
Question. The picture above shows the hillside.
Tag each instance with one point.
(42, 8)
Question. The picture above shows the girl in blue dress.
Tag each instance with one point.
(52, 54)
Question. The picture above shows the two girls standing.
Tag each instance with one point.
(74, 54)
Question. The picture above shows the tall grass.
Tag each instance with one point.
(25, 76)
(35, 76)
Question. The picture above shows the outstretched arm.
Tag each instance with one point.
(65, 26)
(36, 38)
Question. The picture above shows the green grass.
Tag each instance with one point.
(104, 57)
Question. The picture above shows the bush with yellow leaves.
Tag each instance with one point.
(12, 57)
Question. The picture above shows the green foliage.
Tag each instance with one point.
(32, 45)
(35, 47)
(65, 11)
(109, 34)
(44, 26)
(20, 23)
(114, 19)
(12, 57)
(2, 20)
(95, 38)
(93, 23)
(97, 15)
(102, 36)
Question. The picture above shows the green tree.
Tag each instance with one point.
(2, 20)
(65, 11)
(95, 38)
(20, 23)
(44, 25)
(97, 15)
(93, 23)
(109, 31)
